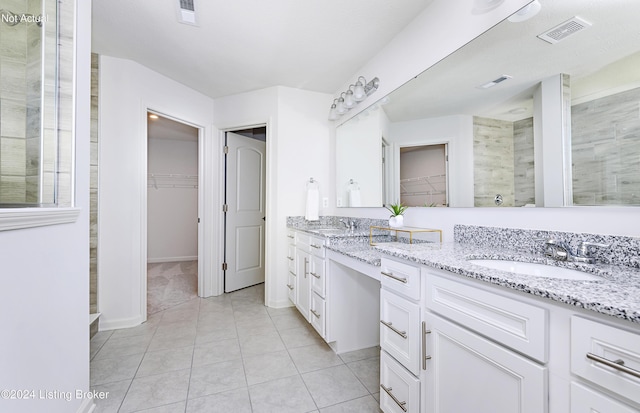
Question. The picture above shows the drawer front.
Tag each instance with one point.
(318, 319)
(291, 287)
(400, 330)
(607, 356)
(291, 258)
(291, 236)
(518, 325)
(318, 278)
(399, 390)
(316, 246)
(302, 238)
(401, 278)
(586, 400)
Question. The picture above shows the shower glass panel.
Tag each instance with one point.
(30, 147)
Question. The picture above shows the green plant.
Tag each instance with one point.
(396, 209)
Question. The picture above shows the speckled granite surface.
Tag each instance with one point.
(617, 293)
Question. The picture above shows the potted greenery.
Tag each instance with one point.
(397, 219)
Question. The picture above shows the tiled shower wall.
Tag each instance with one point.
(93, 190)
(36, 158)
(605, 152)
(20, 82)
(503, 162)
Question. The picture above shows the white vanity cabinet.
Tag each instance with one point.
(477, 343)
(291, 266)
(607, 358)
(307, 279)
(401, 338)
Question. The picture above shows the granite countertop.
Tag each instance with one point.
(617, 293)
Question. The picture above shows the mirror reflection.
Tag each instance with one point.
(30, 157)
(491, 104)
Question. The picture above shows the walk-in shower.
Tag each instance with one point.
(29, 96)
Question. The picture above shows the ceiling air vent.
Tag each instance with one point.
(564, 30)
(186, 12)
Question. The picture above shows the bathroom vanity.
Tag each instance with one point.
(458, 336)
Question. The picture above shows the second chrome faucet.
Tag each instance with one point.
(561, 251)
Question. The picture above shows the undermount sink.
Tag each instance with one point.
(536, 270)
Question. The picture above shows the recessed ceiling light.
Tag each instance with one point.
(152, 116)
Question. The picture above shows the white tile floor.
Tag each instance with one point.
(230, 354)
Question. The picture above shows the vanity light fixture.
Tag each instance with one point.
(350, 98)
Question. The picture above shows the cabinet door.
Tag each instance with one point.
(468, 373)
(400, 329)
(318, 283)
(302, 286)
(587, 400)
(291, 287)
(317, 314)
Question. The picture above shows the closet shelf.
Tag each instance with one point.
(157, 181)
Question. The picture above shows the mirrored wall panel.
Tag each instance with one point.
(567, 77)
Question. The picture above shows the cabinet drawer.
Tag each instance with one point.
(318, 319)
(291, 258)
(607, 356)
(586, 400)
(400, 277)
(518, 325)
(400, 330)
(291, 236)
(399, 390)
(291, 287)
(302, 238)
(316, 246)
(318, 278)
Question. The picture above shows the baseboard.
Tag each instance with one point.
(87, 406)
(280, 304)
(106, 325)
(171, 259)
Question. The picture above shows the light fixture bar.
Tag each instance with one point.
(351, 97)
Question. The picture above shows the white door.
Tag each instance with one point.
(245, 200)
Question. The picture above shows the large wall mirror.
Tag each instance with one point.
(469, 130)
(36, 91)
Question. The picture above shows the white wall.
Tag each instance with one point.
(298, 148)
(172, 211)
(44, 273)
(127, 90)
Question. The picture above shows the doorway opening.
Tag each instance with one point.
(423, 175)
(244, 208)
(172, 212)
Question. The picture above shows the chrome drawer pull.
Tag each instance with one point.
(290, 287)
(395, 399)
(292, 273)
(388, 274)
(290, 236)
(402, 334)
(316, 246)
(314, 274)
(290, 258)
(424, 345)
(315, 314)
(617, 364)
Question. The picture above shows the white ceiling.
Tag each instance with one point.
(244, 45)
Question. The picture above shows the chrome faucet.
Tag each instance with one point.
(561, 251)
(350, 225)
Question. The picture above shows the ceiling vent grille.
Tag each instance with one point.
(564, 30)
(186, 12)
